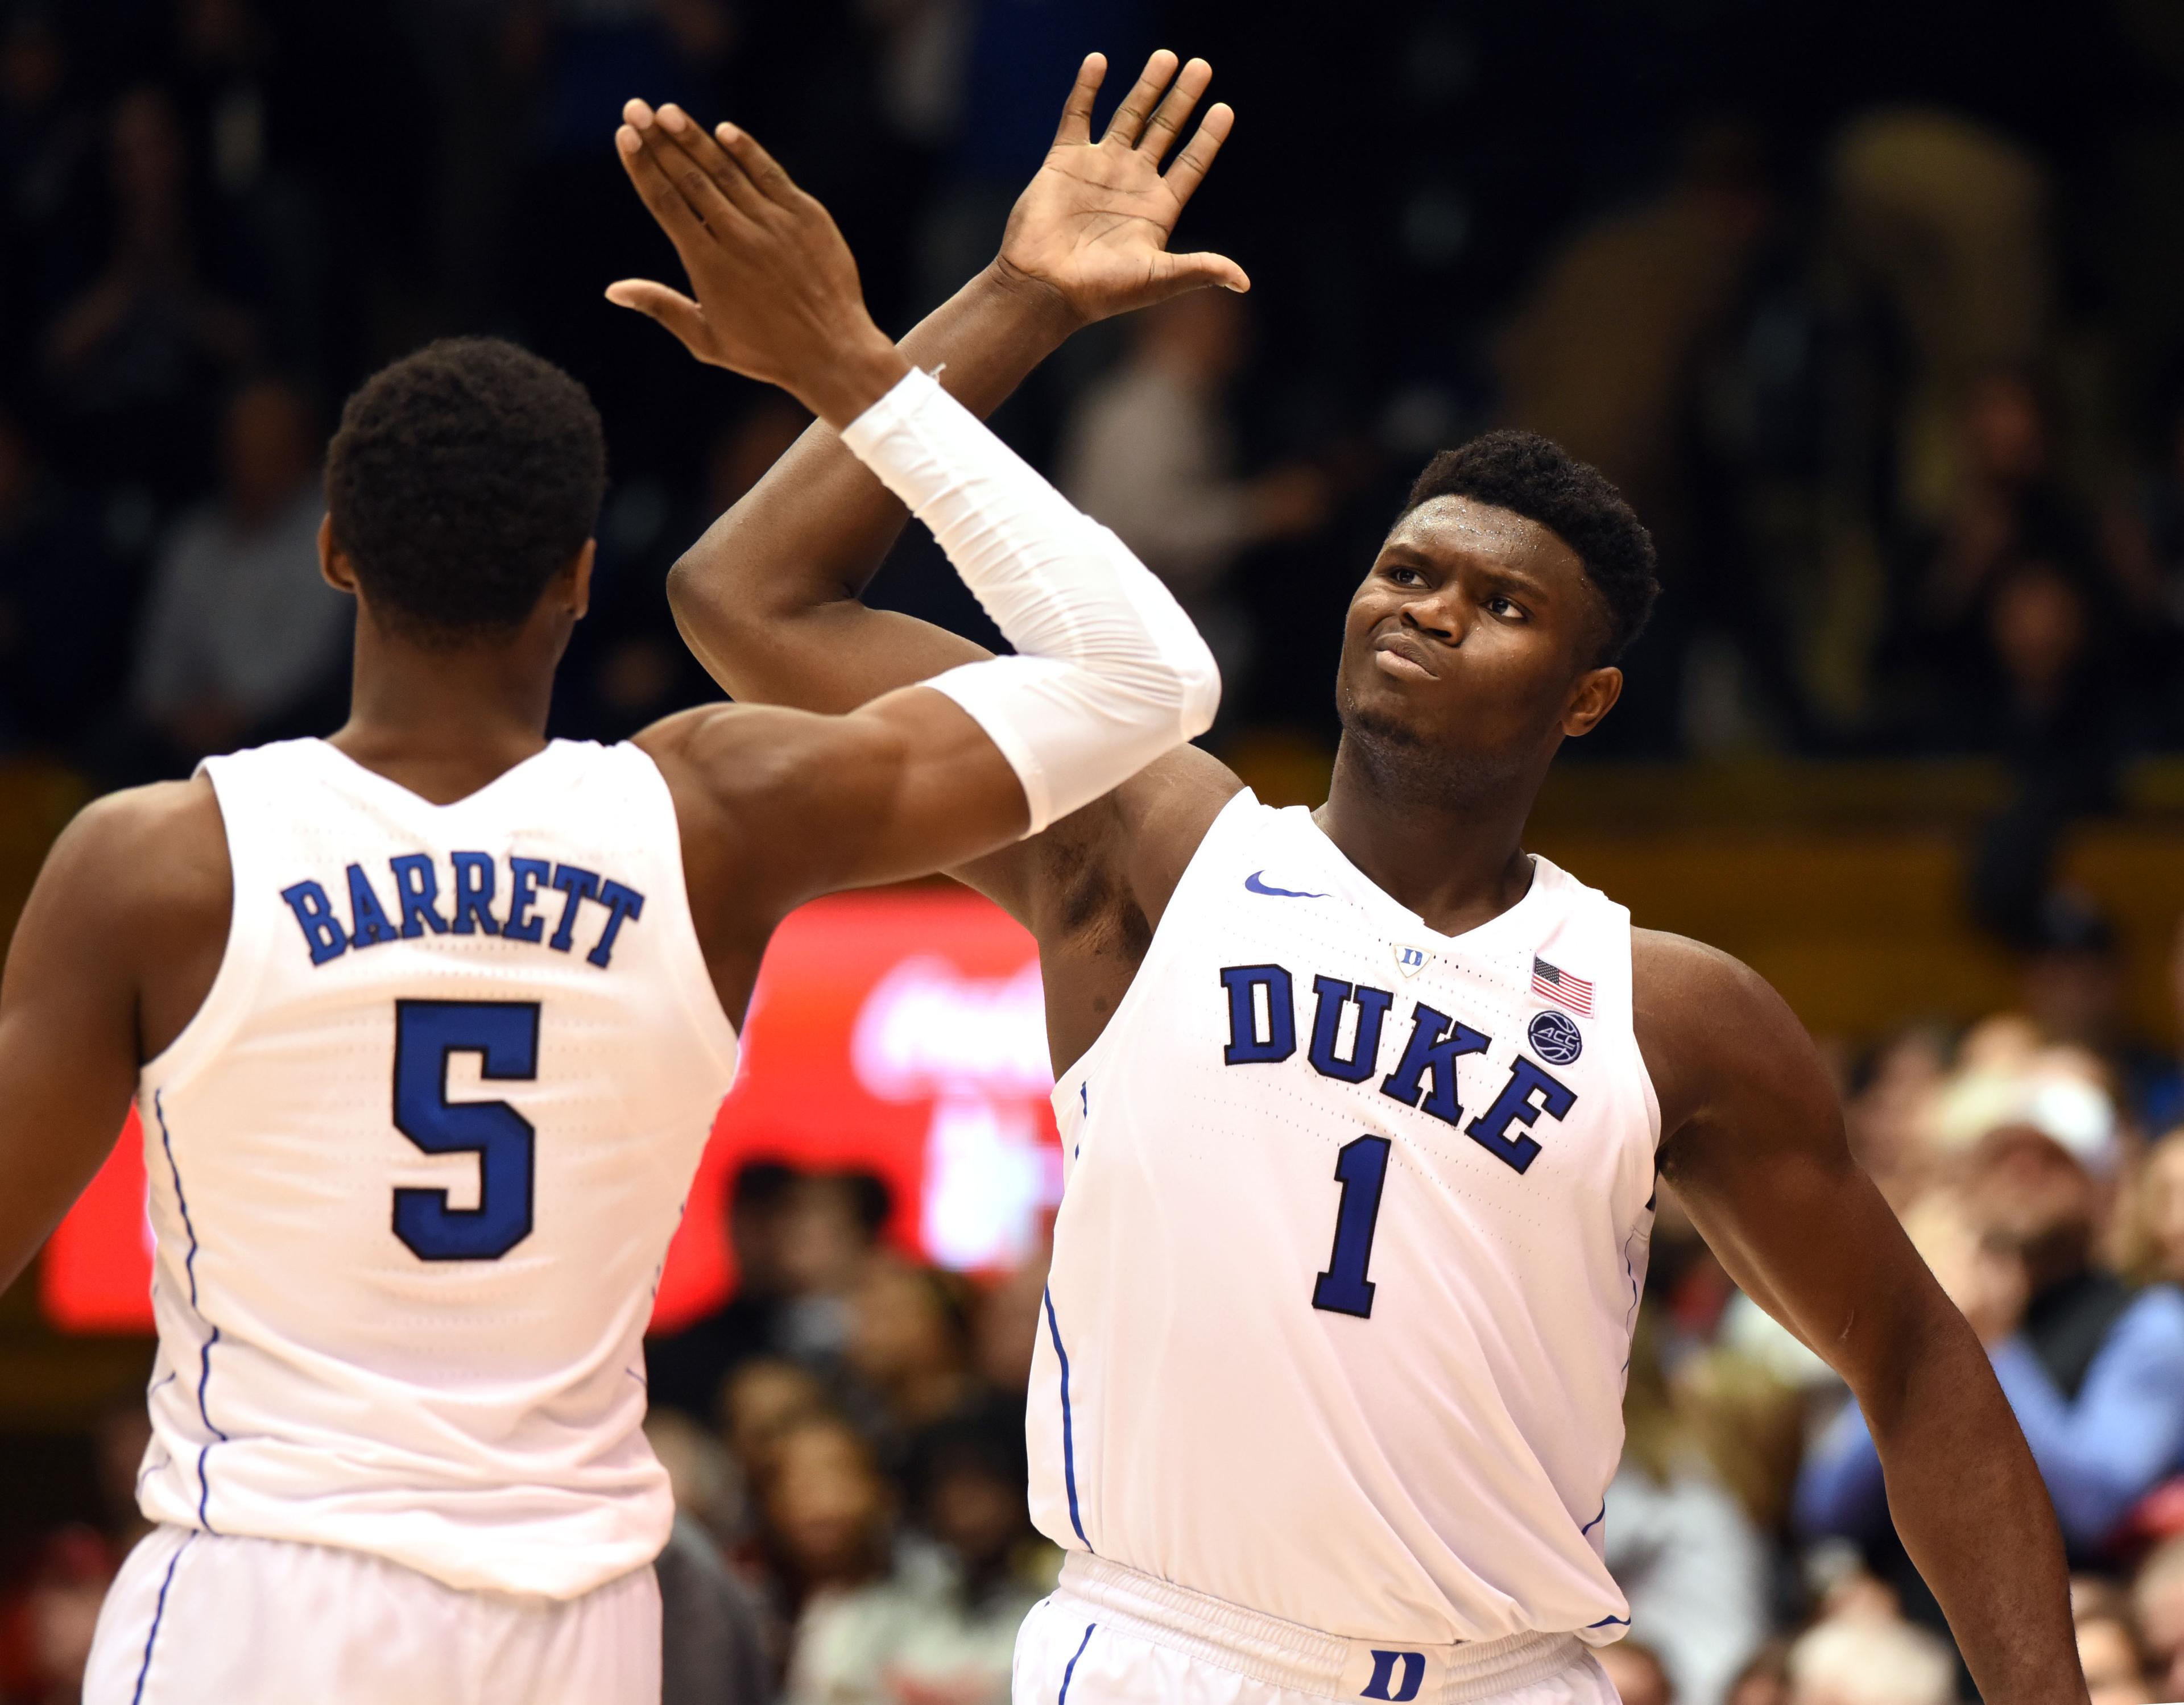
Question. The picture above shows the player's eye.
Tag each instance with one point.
(1403, 576)
(1507, 609)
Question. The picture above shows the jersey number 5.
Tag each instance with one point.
(505, 1036)
(1361, 1167)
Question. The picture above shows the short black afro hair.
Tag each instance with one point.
(1537, 478)
(463, 478)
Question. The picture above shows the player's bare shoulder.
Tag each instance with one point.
(1720, 1042)
(139, 884)
(161, 848)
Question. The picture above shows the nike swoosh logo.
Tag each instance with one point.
(1253, 885)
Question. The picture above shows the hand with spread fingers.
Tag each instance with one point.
(777, 295)
(1093, 226)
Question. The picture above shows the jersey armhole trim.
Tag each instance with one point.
(1079, 1067)
(693, 980)
(241, 966)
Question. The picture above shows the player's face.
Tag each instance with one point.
(1474, 631)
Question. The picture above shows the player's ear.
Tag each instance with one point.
(334, 564)
(580, 587)
(1592, 698)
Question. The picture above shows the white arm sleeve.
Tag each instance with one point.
(1109, 672)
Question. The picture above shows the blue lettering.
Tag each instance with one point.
(1373, 1005)
(367, 926)
(1245, 1048)
(416, 886)
(1491, 1128)
(526, 876)
(1436, 1043)
(474, 885)
(314, 913)
(1384, 1672)
(622, 904)
(580, 885)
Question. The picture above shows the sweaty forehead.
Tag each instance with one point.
(1445, 528)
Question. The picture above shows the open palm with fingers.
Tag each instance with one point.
(1093, 226)
(774, 291)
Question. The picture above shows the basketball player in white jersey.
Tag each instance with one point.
(426, 1023)
(1363, 1107)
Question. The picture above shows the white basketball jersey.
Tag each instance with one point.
(416, 1162)
(1355, 1221)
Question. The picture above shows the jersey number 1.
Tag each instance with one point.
(1361, 1167)
(505, 1036)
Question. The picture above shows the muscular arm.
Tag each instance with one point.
(1753, 1143)
(770, 598)
(116, 948)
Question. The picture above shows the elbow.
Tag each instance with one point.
(684, 590)
(1199, 678)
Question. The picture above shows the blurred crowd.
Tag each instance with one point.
(1879, 333)
(1871, 309)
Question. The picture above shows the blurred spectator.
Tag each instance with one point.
(2007, 506)
(685, 1368)
(1869, 1661)
(2107, 1644)
(1007, 1326)
(48, 152)
(62, 654)
(761, 1399)
(130, 358)
(1148, 450)
(1680, 1544)
(2091, 1368)
(243, 636)
(46, 1629)
(713, 1637)
(640, 668)
(1765, 1680)
(940, 1628)
(1947, 221)
(2154, 1238)
(826, 1512)
(1882, 1111)
(1637, 1672)
(1604, 350)
(2157, 1600)
(909, 1340)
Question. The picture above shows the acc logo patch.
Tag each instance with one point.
(1555, 1038)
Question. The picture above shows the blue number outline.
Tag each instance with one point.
(1344, 1289)
(425, 1032)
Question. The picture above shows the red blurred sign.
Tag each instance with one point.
(904, 1033)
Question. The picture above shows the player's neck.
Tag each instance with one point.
(1447, 847)
(443, 723)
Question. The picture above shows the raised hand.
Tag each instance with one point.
(777, 295)
(1093, 226)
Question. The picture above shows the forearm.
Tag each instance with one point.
(1109, 673)
(1971, 1510)
(759, 596)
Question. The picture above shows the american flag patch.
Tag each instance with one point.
(1551, 983)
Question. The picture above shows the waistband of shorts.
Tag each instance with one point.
(1287, 1654)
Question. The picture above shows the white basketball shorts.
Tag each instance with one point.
(1109, 1635)
(199, 1618)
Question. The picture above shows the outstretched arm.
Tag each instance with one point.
(140, 879)
(1753, 1143)
(768, 599)
(1108, 673)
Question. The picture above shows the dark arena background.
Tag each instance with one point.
(1874, 308)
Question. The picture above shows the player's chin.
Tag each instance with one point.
(1383, 707)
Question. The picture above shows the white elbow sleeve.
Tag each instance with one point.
(1109, 672)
